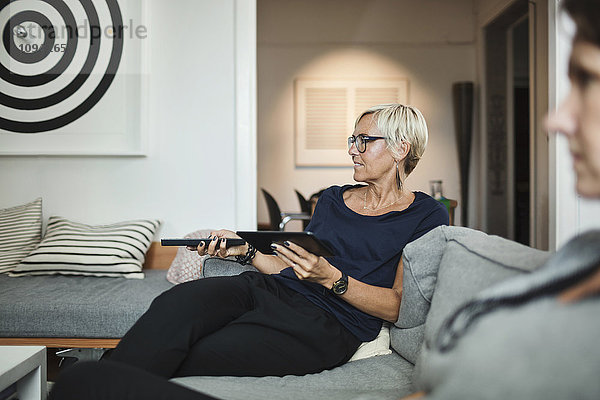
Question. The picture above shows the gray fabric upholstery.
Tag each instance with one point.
(467, 268)
(381, 377)
(470, 264)
(421, 260)
(479, 261)
(75, 306)
(407, 342)
(223, 267)
(554, 344)
(542, 351)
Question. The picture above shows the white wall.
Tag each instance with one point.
(430, 42)
(188, 178)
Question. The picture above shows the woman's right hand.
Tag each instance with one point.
(220, 251)
(267, 264)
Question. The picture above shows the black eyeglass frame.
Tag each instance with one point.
(364, 138)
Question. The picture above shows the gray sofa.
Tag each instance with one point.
(442, 269)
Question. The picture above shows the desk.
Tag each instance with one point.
(25, 366)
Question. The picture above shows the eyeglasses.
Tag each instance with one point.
(361, 141)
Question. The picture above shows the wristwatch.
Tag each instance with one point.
(341, 285)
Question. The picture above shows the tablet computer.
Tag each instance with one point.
(262, 241)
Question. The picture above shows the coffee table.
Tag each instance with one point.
(24, 366)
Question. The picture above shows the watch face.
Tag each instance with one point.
(340, 287)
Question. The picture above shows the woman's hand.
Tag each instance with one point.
(218, 248)
(306, 265)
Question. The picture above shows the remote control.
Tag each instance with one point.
(196, 242)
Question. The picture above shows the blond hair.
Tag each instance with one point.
(400, 123)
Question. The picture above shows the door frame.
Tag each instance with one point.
(245, 115)
(539, 156)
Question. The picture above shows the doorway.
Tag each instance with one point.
(518, 134)
(516, 150)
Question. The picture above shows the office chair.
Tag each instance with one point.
(304, 207)
(278, 219)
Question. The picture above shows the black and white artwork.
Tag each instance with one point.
(71, 77)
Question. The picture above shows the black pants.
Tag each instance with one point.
(247, 325)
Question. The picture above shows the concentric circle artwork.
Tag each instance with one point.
(58, 58)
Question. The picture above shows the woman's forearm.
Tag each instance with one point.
(380, 302)
(268, 264)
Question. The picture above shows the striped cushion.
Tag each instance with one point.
(20, 232)
(71, 248)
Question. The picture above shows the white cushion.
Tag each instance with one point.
(20, 232)
(71, 248)
(377, 347)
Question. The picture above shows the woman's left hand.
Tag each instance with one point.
(306, 265)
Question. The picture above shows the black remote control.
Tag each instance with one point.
(196, 242)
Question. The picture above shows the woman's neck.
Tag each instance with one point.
(376, 199)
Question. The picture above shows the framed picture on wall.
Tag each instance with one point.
(325, 111)
(72, 78)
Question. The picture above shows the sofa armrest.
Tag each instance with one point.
(214, 266)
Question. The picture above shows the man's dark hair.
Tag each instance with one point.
(586, 15)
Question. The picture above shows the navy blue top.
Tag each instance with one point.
(368, 249)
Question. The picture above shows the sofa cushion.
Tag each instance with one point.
(384, 377)
(474, 260)
(470, 264)
(421, 259)
(407, 341)
(20, 233)
(71, 248)
(75, 306)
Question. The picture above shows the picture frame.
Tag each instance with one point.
(106, 115)
(325, 111)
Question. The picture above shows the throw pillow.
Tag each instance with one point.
(20, 232)
(377, 347)
(187, 265)
(71, 248)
